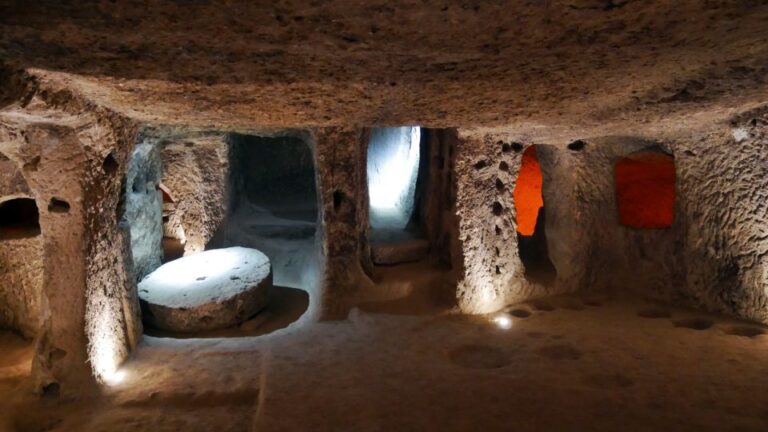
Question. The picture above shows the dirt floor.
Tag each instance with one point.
(409, 363)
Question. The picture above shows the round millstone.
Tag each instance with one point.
(211, 290)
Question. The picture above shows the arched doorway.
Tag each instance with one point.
(531, 214)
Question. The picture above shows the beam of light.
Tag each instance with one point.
(502, 321)
(393, 162)
(115, 377)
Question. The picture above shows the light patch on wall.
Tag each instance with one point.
(393, 162)
(503, 321)
(740, 134)
(107, 350)
(527, 193)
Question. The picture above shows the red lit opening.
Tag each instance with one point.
(527, 193)
(645, 190)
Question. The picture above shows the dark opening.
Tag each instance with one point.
(577, 145)
(58, 205)
(531, 223)
(19, 218)
(273, 204)
(110, 164)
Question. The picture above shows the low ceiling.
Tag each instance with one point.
(548, 68)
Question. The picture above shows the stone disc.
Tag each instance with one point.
(211, 290)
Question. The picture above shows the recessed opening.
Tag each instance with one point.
(393, 164)
(19, 218)
(645, 189)
(262, 251)
(531, 214)
(58, 205)
(577, 145)
(393, 168)
(273, 205)
(110, 164)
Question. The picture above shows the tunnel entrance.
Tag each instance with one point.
(531, 220)
(19, 218)
(22, 267)
(645, 189)
(394, 169)
(273, 203)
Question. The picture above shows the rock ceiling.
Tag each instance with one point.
(551, 69)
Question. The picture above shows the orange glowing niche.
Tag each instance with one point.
(527, 193)
(645, 190)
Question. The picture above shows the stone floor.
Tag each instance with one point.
(568, 363)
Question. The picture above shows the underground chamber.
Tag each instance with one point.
(250, 275)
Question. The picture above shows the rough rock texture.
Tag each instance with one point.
(712, 256)
(21, 279)
(612, 257)
(589, 248)
(211, 290)
(144, 207)
(723, 181)
(437, 195)
(71, 152)
(492, 274)
(688, 75)
(21, 263)
(342, 243)
(566, 68)
(196, 173)
(12, 183)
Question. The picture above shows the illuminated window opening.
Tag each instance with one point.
(645, 190)
(395, 170)
(527, 193)
(531, 214)
(393, 165)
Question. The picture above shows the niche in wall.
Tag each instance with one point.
(244, 191)
(273, 203)
(19, 218)
(531, 214)
(645, 189)
(21, 254)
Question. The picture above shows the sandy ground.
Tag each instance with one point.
(405, 361)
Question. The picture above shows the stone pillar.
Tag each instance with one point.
(491, 274)
(340, 170)
(73, 161)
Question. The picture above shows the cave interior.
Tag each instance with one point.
(367, 216)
